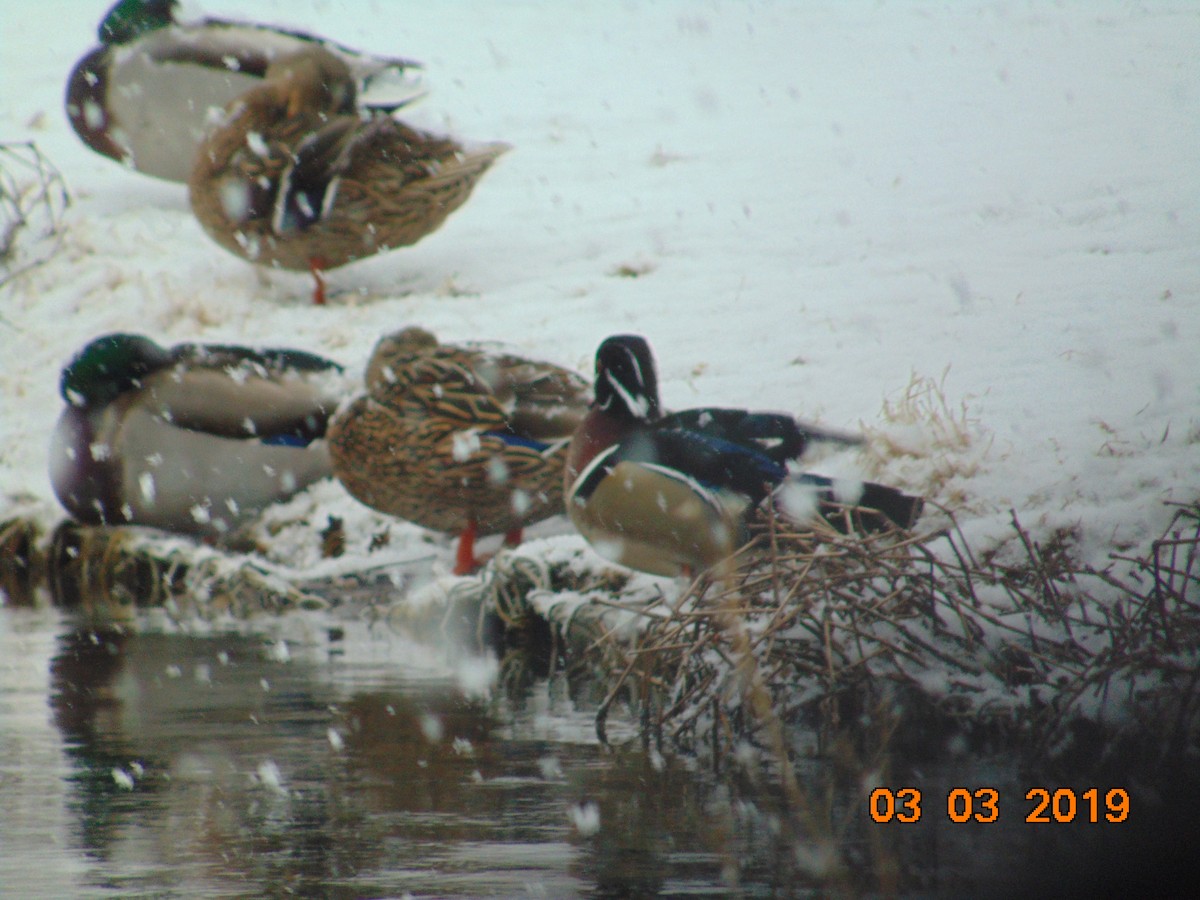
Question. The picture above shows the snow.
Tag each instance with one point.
(967, 228)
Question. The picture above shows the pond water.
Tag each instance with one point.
(327, 760)
(323, 756)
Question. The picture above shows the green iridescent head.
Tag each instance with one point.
(109, 366)
(129, 19)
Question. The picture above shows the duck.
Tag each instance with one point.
(193, 439)
(464, 439)
(671, 493)
(292, 177)
(144, 94)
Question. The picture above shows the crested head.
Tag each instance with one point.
(130, 19)
(626, 381)
(109, 366)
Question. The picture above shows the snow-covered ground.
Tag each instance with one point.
(991, 208)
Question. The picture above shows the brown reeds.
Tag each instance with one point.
(33, 203)
(836, 624)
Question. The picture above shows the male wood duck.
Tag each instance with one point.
(458, 438)
(194, 438)
(671, 494)
(293, 177)
(144, 95)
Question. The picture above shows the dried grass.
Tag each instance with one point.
(811, 629)
(33, 202)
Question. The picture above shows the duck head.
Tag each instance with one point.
(313, 79)
(626, 380)
(109, 366)
(130, 19)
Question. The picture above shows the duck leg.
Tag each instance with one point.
(464, 559)
(317, 266)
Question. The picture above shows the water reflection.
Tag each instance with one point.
(324, 756)
(218, 766)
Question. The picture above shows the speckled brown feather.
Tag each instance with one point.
(415, 445)
(390, 185)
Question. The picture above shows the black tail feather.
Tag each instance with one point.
(876, 507)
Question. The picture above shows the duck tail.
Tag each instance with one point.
(847, 504)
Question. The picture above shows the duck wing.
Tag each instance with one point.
(540, 400)
(308, 184)
(777, 435)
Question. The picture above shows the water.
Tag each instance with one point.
(316, 756)
(352, 763)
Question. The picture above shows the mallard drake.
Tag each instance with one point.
(292, 177)
(670, 494)
(144, 95)
(458, 438)
(194, 438)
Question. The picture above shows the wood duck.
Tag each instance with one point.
(293, 177)
(671, 494)
(144, 95)
(458, 438)
(194, 438)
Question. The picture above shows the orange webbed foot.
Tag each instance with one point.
(316, 265)
(464, 559)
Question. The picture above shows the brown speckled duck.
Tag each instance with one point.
(293, 177)
(458, 438)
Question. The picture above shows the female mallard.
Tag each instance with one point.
(458, 439)
(293, 177)
(143, 97)
(195, 438)
(670, 494)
